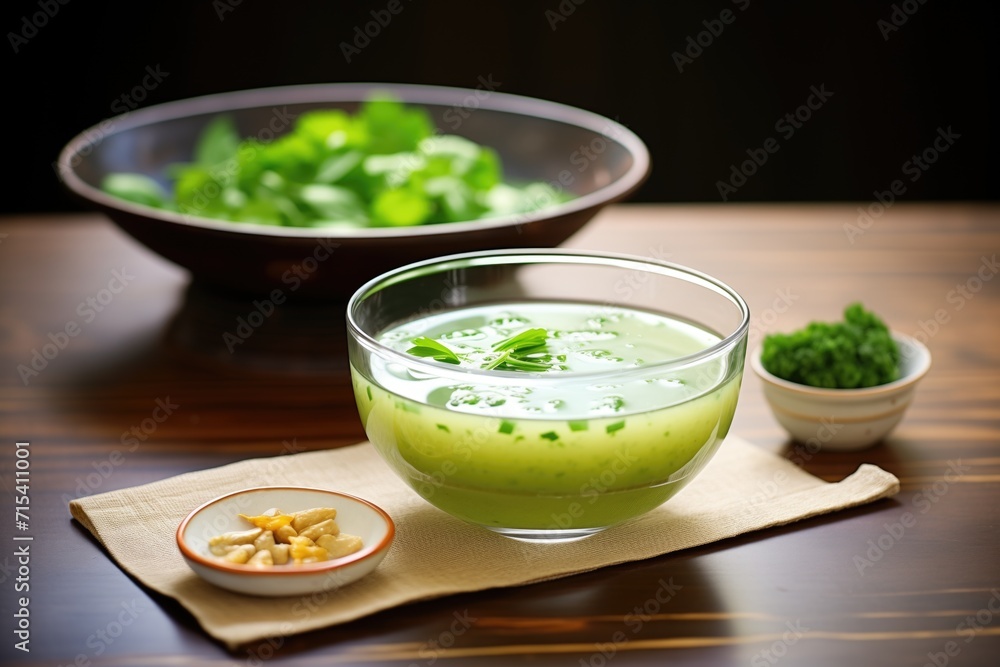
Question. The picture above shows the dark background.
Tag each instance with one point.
(890, 96)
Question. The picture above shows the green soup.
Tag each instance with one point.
(562, 449)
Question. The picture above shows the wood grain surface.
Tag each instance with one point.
(854, 588)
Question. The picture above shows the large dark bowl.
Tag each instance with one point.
(591, 157)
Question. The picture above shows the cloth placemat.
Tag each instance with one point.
(742, 489)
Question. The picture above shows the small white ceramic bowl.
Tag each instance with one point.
(845, 419)
(354, 516)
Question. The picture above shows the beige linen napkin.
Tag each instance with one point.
(742, 489)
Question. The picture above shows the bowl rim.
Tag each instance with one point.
(355, 92)
(368, 551)
(543, 256)
(922, 356)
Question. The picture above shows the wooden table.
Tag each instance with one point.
(853, 588)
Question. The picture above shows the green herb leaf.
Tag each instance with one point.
(217, 143)
(135, 188)
(428, 347)
(514, 352)
(529, 338)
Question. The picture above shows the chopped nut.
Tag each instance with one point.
(303, 548)
(338, 546)
(269, 522)
(309, 517)
(328, 527)
(279, 553)
(235, 537)
(284, 534)
(309, 536)
(261, 559)
(240, 555)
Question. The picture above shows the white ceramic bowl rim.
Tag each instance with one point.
(281, 571)
(542, 256)
(921, 363)
(351, 92)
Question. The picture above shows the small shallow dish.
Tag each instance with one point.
(845, 419)
(354, 516)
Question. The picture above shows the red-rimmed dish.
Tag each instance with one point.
(354, 516)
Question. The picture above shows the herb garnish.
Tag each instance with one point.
(514, 352)
(428, 347)
(523, 352)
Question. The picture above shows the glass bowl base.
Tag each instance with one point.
(542, 536)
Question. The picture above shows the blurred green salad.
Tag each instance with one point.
(385, 166)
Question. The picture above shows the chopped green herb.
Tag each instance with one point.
(551, 435)
(858, 352)
(617, 426)
(582, 425)
(368, 390)
(444, 428)
(506, 427)
(428, 347)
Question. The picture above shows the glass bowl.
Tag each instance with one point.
(645, 360)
